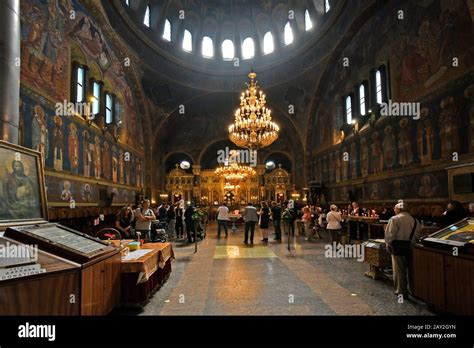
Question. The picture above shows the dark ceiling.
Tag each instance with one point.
(208, 89)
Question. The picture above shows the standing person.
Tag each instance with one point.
(334, 218)
(287, 217)
(189, 221)
(222, 218)
(123, 221)
(276, 215)
(179, 222)
(307, 222)
(354, 226)
(250, 218)
(144, 216)
(171, 220)
(264, 221)
(162, 213)
(399, 234)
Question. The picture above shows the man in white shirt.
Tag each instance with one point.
(144, 216)
(222, 218)
(400, 227)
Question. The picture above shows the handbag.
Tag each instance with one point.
(403, 247)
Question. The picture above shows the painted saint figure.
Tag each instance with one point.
(86, 154)
(58, 143)
(114, 163)
(97, 158)
(106, 161)
(40, 132)
(389, 151)
(73, 148)
(364, 157)
(404, 143)
(425, 141)
(376, 154)
(448, 128)
(353, 160)
(20, 195)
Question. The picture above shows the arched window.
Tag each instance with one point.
(227, 49)
(167, 30)
(127, 2)
(95, 97)
(207, 47)
(378, 87)
(80, 84)
(248, 48)
(109, 108)
(146, 19)
(187, 41)
(362, 103)
(288, 34)
(327, 6)
(308, 25)
(268, 43)
(348, 109)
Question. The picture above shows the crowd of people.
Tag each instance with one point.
(176, 219)
(401, 231)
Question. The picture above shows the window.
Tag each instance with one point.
(268, 43)
(207, 47)
(327, 6)
(80, 84)
(127, 2)
(167, 30)
(187, 41)
(109, 108)
(288, 34)
(248, 48)
(348, 109)
(362, 104)
(95, 97)
(227, 49)
(308, 25)
(146, 19)
(378, 87)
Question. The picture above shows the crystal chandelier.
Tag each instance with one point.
(234, 172)
(253, 127)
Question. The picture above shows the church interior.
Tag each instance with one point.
(237, 157)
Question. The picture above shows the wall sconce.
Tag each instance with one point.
(374, 115)
(355, 126)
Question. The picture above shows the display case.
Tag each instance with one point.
(43, 284)
(23, 216)
(459, 235)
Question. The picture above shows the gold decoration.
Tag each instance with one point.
(253, 127)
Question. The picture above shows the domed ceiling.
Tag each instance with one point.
(192, 97)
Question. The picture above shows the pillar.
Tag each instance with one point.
(9, 69)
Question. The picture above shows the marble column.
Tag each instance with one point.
(9, 69)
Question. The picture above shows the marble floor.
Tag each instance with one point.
(225, 277)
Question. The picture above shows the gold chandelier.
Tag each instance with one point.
(230, 187)
(253, 127)
(234, 172)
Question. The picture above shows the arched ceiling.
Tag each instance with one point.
(208, 89)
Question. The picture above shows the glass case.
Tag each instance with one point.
(460, 235)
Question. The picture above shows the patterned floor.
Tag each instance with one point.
(227, 278)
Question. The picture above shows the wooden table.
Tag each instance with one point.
(142, 276)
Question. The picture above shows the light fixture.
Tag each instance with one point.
(185, 165)
(270, 165)
(253, 127)
(234, 172)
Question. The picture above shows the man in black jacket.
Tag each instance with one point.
(188, 220)
(276, 216)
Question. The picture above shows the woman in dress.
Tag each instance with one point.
(264, 221)
(334, 219)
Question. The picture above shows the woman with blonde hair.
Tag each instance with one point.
(264, 221)
(334, 219)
